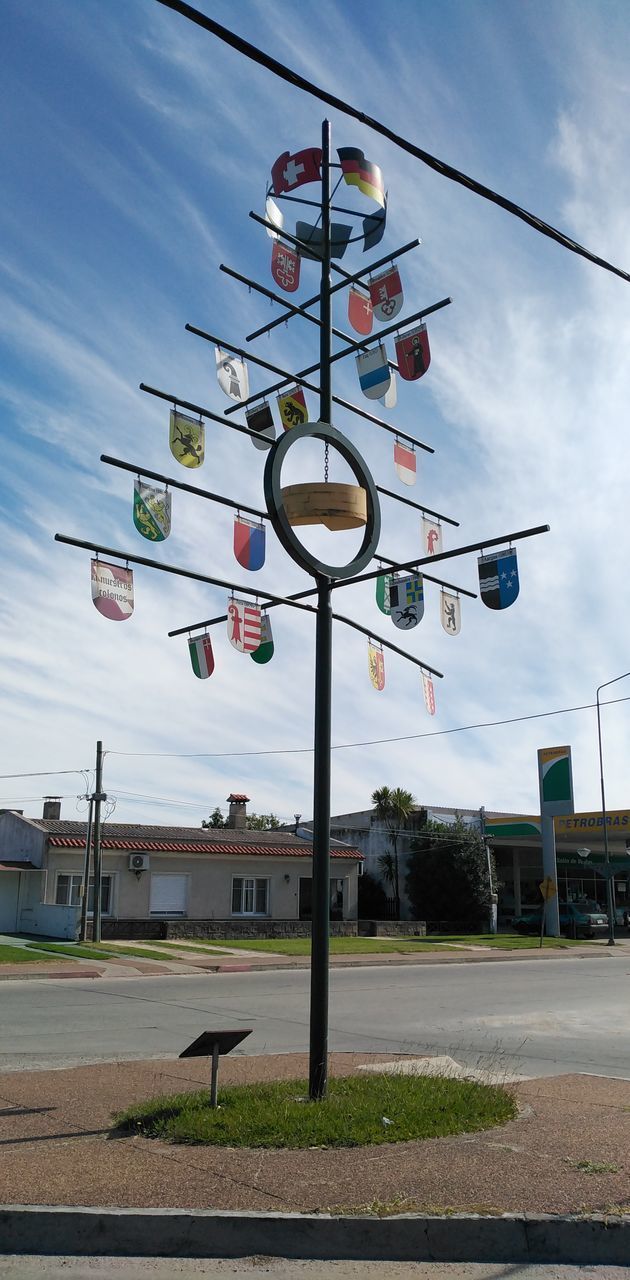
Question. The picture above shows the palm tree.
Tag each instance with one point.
(393, 806)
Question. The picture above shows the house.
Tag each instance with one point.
(368, 833)
(167, 881)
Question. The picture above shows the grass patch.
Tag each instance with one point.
(391, 946)
(358, 1111)
(99, 951)
(67, 949)
(17, 955)
(593, 1166)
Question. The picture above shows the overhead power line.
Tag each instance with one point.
(439, 166)
(372, 742)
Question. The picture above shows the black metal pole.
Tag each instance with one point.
(320, 925)
(98, 871)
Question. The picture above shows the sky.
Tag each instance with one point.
(134, 146)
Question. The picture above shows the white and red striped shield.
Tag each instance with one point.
(405, 462)
(244, 625)
(285, 266)
(360, 312)
(429, 694)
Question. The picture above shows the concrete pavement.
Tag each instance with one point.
(70, 1268)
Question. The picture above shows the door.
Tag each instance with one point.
(9, 889)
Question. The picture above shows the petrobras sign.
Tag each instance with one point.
(618, 820)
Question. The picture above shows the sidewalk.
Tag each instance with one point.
(185, 961)
(567, 1152)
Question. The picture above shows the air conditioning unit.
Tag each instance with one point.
(139, 861)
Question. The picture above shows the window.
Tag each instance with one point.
(250, 896)
(68, 892)
(169, 894)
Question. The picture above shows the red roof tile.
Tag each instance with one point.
(298, 849)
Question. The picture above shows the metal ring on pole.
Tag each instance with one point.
(278, 516)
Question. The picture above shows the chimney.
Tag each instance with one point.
(52, 807)
(237, 816)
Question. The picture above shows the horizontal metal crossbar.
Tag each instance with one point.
(177, 402)
(446, 555)
(265, 598)
(310, 386)
(450, 586)
(408, 503)
(181, 484)
(354, 279)
(351, 348)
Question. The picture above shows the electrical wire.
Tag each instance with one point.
(371, 742)
(47, 773)
(439, 166)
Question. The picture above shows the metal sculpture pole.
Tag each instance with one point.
(320, 922)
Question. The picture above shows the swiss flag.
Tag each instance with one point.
(292, 171)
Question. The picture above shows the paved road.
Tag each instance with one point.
(38, 1268)
(538, 1017)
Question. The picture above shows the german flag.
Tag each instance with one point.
(358, 172)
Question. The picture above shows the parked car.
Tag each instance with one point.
(577, 919)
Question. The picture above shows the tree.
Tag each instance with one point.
(262, 822)
(448, 877)
(393, 806)
(215, 820)
(372, 898)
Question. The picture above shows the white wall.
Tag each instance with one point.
(52, 921)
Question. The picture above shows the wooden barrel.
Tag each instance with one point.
(337, 506)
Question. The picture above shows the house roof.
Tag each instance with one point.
(141, 838)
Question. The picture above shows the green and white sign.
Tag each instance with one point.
(556, 781)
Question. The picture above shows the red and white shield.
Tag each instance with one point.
(429, 694)
(285, 266)
(386, 292)
(360, 312)
(244, 625)
(405, 462)
(413, 354)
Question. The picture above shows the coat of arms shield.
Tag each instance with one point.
(360, 312)
(285, 266)
(429, 693)
(405, 462)
(187, 438)
(413, 354)
(112, 590)
(376, 666)
(450, 613)
(264, 652)
(151, 511)
(386, 292)
(201, 656)
(431, 536)
(406, 601)
(244, 625)
(232, 375)
(249, 543)
(374, 372)
(498, 579)
(292, 407)
(260, 420)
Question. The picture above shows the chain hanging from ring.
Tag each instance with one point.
(326, 462)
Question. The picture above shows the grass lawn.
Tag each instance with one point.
(354, 1113)
(399, 946)
(100, 951)
(17, 955)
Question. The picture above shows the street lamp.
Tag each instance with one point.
(609, 889)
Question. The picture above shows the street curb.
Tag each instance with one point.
(207, 1233)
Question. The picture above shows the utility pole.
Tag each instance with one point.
(85, 888)
(98, 797)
